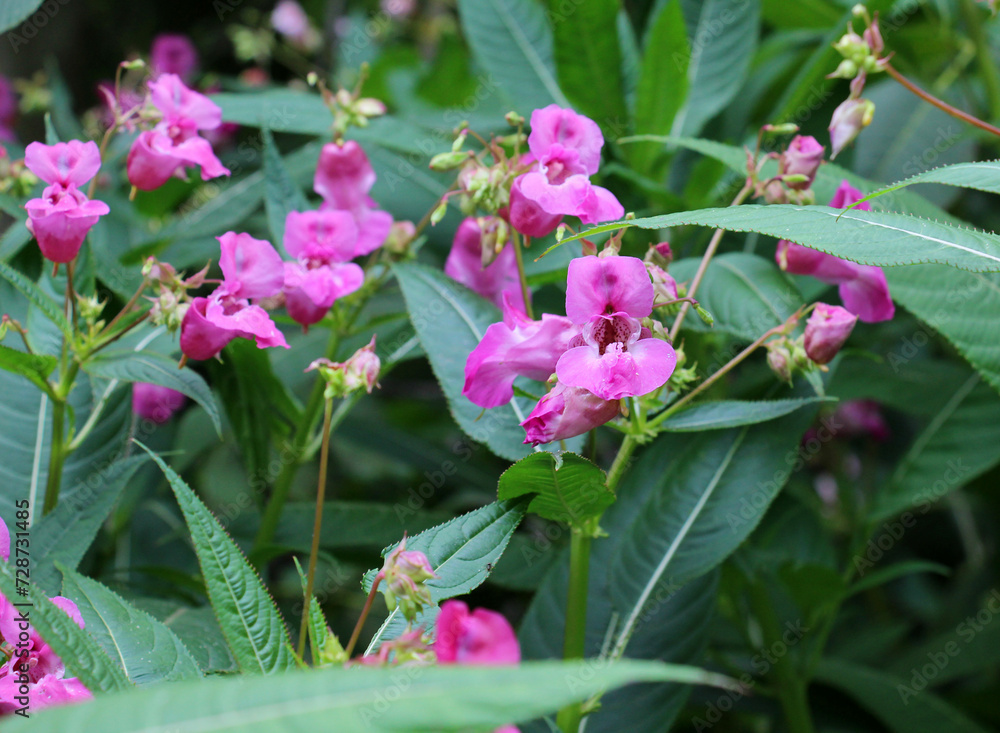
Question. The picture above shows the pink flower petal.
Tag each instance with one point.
(251, 267)
(329, 235)
(566, 412)
(464, 264)
(600, 206)
(867, 295)
(176, 101)
(599, 285)
(528, 217)
(482, 637)
(556, 125)
(200, 338)
(74, 162)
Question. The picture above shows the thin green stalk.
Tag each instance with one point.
(576, 619)
(519, 256)
(621, 461)
(57, 454)
(317, 524)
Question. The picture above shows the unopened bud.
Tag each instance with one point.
(514, 119)
(849, 119)
(405, 573)
(449, 161)
(846, 69)
(360, 371)
(401, 233)
(785, 128)
(438, 214)
(370, 107)
(826, 331)
(704, 315)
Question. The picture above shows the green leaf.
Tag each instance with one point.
(445, 699)
(15, 12)
(83, 657)
(663, 81)
(48, 307)
(512, 41)
(588, 58)
(198, 629)
(982, 176)
(732, 414)
(901, 708)
(894, 571)
(961, 441)
(247, 615)
(745, 293)
(723, 42)
(318, 628)
(34, 367)
(867, 237)
(65, 534)
(461, 551)
(147, 650)
(281, 194)
(148, 366)
(567, 488)
(450, 321)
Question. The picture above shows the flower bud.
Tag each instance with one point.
(405, 573)
(370, 107)
(514, 119)
(660, 254)
(849, 119)
(449, 161)
(401, 233)
(664, 285)
(779, 359)
(873, 37)
(784, 128)
(438, 214)
(360, 371)
(826, 331)
(802, 158)
(846, 69)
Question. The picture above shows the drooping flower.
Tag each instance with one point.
(803, 157)
(61, 219)
(174, 53)
(848, 120)
(482, 637)
(612, 358)
(465, 263)
(566, 412)
(344, 176)
(251, 269)
(565, 151)
(826, 331)
(322, 243)
(862, 288)
(8, 109)
(154, 402)
(174, 143)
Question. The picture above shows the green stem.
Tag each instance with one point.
(621, 461)
(975, 25)
(317, 524)
(792, 685)
(519, 256)
(57, 454)
(576, 618)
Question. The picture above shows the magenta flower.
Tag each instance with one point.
(862, 288)
(174, 53)
(803, 157)
(566, 412)
(8, 109)
(826, 331)
(156, 403)
(322, 243)
(174, 144)
(481, 637)
(518, 346)
(465, 264)
(251, 269)
(862, 417)
(612, 358)
(565, 151)
(61, 219)
(344, 176)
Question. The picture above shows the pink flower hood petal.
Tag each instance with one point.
(329, 235)
(600, 205)
(566, 412)
(178, 103)
(482, 637)
(464, 264)
(557, 125)
(846, 194)
(249, 322)
(74, 162)
(599, 285)
(251, 267)
(867, 295)
(568, 197)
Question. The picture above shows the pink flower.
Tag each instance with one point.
(612, 358)
(174, 144)
(4, 541)
(156, 403)
(849, 119)
(862, 417)
(566, 412)
(8, 109)
(173, 53)
(465, 265)
(481, 637)
(322, 243)
(826, 331)
(566, 151)
(251, 268)
(516, 347)
(344, 176)
(360, 371)
(862, 288)
(61, 219)
(803, 157)
(290, 20)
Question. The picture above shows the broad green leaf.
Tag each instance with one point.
(148, 366)
(588, 58)
(894, 571)
(34, 367)
(567, 488)
(14, 238)
(83, 657)
(732, 414)
(900, 707)
(981, 175)
(64, 534)
(712, 489)
(961, 441)
(15, 12)
(247, 615)
(746, 294)
(867, 237)
(48, 307)
(722, 44)
(281, 194)
(450, 321)
(663, 82)
(512, 41)
(198, 629)
(444, 699)
(147, 650)
(462, 553)
(802, 14)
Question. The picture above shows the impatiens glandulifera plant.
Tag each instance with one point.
(718, 501)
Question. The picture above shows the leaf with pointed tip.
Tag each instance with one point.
(318, 628)
(567, 488)
(48, 307)
(36, 368)
(281, 194)
(981, 175)
(250, 621)
(732, 413)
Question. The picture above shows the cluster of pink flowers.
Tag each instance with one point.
(31, 674)
(862, 288)
(599, 351)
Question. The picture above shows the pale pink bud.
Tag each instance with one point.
(803, 157)
(826, 331)
(405, 573)
(849, 119)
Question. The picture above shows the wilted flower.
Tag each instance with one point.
(849, 119)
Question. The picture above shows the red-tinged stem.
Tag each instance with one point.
(363, 617)
(942, 105)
